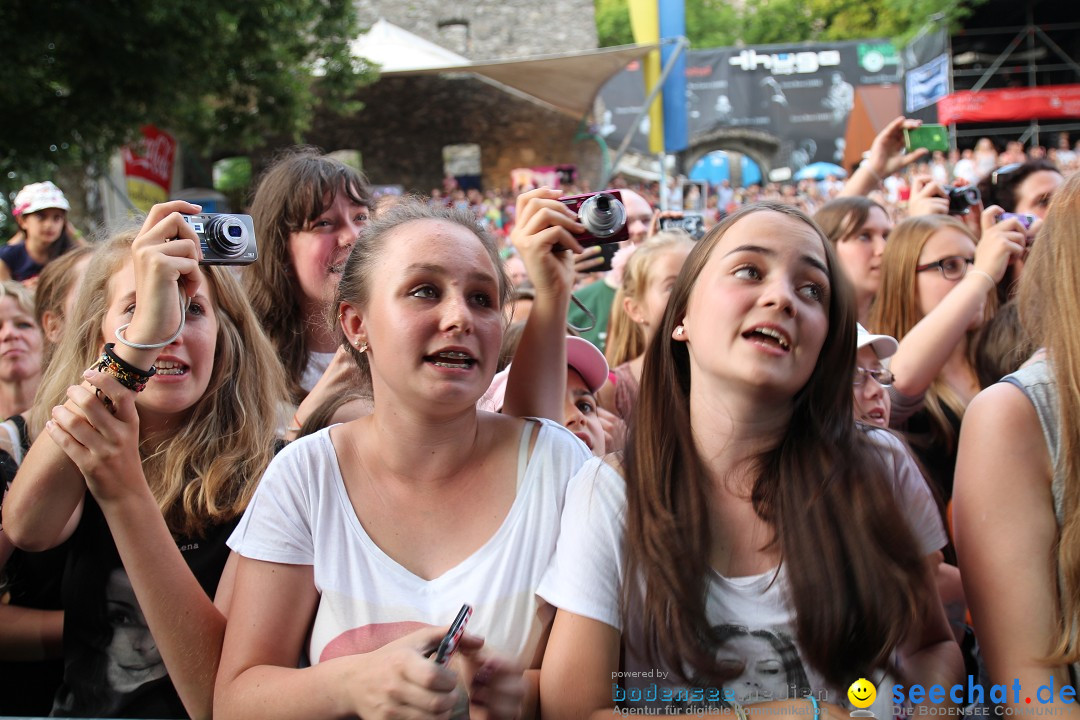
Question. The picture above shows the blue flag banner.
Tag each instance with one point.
(673, 25)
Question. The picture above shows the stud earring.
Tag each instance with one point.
(361, 345)
(679, 331)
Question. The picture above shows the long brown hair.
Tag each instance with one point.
(822, 489)
(293, 192)
(896, 311)
(208, 468)
(1050, 309)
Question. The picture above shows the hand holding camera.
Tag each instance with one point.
(166, 252)
(927, 197)
(543, 229)
(1000, 243)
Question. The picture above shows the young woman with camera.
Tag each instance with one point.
(365, 538)
(745, 490)
(149, 454)
(937, 288)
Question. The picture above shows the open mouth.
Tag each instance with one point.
(452, 359)
(770, 337)
(170, 368)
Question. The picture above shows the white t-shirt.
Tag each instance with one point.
(588, 571)
(301, 515)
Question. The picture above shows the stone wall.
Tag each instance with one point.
(407, 121)
(491, 29)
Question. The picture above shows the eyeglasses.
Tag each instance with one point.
(1002, 171)
(953, 267)
(882, 376)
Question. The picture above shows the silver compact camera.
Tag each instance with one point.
(225, 239)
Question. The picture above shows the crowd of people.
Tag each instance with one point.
(833, 439)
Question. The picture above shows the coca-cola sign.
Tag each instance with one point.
(151, 157)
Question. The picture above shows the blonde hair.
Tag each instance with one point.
(23, 296)
(206, 471)
(896, 309)
(626, 339)
(1050, 309)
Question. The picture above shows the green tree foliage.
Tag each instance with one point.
(716, 23)
(82, 77)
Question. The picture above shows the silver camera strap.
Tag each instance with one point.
(587, 311)
(155, 346)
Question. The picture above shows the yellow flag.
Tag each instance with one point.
(645, 24)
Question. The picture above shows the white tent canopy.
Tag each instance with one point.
(568, 82)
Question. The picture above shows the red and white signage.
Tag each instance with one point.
(1049, 102)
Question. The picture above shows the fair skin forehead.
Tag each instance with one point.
(434, 245)
(775, 233)
(946, 242)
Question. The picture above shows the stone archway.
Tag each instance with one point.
(761, 147)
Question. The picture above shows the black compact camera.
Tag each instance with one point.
(603, 215)
(693, 224)
(962, 199)
(225, 239)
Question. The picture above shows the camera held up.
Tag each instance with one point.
(225, 239)
(603, 215)
(962, 199)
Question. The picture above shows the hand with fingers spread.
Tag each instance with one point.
(98, 428)
(927, 197)
(1001, 243)
(886, 157)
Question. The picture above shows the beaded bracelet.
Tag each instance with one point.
(129, 376)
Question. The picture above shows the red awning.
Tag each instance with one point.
(1038, 103)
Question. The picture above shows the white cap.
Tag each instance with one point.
(884, 345)
(39, 196)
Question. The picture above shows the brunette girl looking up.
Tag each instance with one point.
(744, 490)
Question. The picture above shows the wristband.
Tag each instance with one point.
(988, 276)
(129, 376)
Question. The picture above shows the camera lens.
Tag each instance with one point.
(226, 236)
(602, 215)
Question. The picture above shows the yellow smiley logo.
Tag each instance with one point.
(862, 693)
